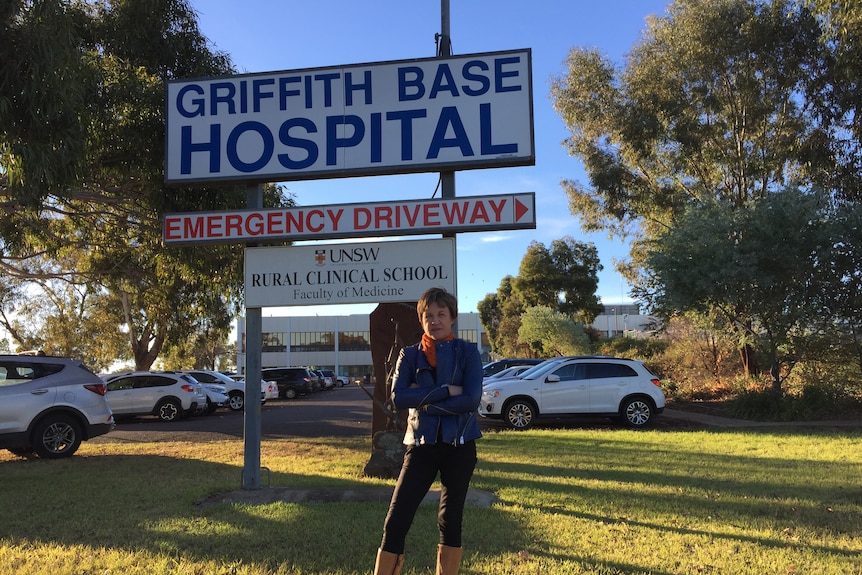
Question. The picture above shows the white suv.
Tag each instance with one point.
(167, 395)
(48, 405)
(623, 389)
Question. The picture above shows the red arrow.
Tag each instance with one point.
(520, 209)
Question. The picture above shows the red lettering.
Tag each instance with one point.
(254, 225)
(214, 226)
(172, 228)
(479, 212)
(194, 228)
(335, 216)
(274, 222)
(498, 209)
(233, 225)
(293, 223)
(455, 212)
(411, 218)
(310, 225)
(431, 214)
(382, 214)
(361, 218)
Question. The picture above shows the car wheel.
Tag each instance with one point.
(637, 412)
(211, 407)
(520, 413)
(289, 393)
(169, 410)
(236, 401)
(57, 436)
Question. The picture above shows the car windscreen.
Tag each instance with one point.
(539, 369)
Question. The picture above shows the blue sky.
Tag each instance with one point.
(270, 35)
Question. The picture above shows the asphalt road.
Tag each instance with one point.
(338, 412)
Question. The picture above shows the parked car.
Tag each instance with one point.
(339, 380)
(49, 405)
(167, 395)
(326, 381)
(235, 388)
(291, 381)
(501, 364)
(513, 371)
(623, 389)
(216, 397)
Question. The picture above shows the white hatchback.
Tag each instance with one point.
(623, 389)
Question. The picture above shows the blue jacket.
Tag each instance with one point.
(431, 410)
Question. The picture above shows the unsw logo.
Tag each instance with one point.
(320, 257)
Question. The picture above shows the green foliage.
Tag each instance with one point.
(563, 279)
(692, 149)
(103, 73)
(551, 333)
(813, 402)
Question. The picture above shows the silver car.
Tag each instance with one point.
(169, 396)
(48, 405)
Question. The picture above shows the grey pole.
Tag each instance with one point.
(253, 346)
(447, 179)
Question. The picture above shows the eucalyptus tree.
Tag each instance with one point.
(109, 208)
(710, 108)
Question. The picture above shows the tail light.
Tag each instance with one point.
(656, 382)
(99, 388)
(189, 388)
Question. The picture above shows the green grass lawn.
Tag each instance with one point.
(598, 501)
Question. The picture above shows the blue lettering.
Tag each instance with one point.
(333, 142)
(410, 85)
(406, 117)
(258, 92)
(222, 92)
(500, 75)
(199, 104)
(233, 140)
(284, 93)
(350, 87)
(449, 117)
(484, 82)
(485, 129)
(308, 145)
(376, 138)
(187, 147)
(243, 96)
(327, 87)
(443, 73)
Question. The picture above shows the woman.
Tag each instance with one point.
(440, 381)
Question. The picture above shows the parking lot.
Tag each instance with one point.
(339, 412)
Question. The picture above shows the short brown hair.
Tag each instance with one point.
(439, 296)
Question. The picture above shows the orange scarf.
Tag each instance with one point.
(430, 349)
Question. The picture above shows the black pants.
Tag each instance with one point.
(421, 465)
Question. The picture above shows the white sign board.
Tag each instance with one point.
(347, 273)
(457, 112)
(409, 217)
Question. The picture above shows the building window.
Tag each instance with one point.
(354, 341)
(274, 342)
(471, 335)
(312, 341)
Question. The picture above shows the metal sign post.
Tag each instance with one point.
(253, 348)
